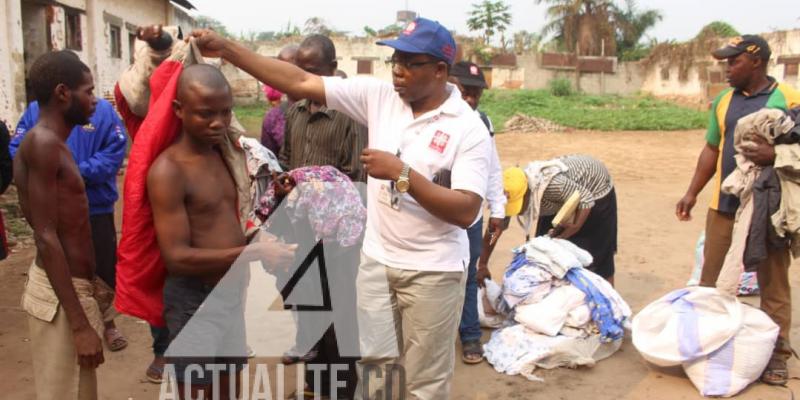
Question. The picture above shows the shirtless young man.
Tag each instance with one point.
(194, 203)
(64, 318)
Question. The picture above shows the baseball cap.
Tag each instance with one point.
(753, 44)
(423, 36)
(515, 184)
(469, 74)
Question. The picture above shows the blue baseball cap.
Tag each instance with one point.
(423, 36)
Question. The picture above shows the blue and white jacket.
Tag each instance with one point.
(98, 148)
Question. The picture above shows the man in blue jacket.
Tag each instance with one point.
(98, 149)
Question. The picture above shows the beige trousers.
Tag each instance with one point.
(57, 374)
(408, 323)
(773, 276)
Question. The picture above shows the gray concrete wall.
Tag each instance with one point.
(627, 78)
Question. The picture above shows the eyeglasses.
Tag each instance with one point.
(408, 65)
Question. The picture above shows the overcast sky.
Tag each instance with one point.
(682, 18)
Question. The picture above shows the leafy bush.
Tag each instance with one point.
(560, 87)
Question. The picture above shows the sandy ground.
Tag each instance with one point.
(651, 170)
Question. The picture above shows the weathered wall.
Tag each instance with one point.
(12, 71)
(505, 77)
(127, 15)
(626, 79)
(348, 52)
(28, 20)
(705, 76)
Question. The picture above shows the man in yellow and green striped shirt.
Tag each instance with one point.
(751, 90)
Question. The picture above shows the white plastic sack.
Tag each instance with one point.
(517, 350)
(549, 315)
(489, 298)
(740, 361)
(686, 324)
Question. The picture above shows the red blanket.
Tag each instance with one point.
(140, 268)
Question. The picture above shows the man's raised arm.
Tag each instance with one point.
(281, 75)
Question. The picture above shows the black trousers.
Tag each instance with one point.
(341, 280)
(104, 239)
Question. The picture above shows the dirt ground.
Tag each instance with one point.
(651, 171)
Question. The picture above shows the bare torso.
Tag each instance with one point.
(210, 200)
(68, 197)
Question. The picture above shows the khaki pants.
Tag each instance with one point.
(55, 363)
(411, 318)
(773, 275)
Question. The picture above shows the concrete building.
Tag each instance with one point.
(101, 32)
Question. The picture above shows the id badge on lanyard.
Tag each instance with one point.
(388, 194)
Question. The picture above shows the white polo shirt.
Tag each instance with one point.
(450, 137)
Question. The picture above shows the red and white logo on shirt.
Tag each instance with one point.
(439, 141)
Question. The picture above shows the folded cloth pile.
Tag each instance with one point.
(563, 314)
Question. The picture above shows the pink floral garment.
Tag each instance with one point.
(328, 198)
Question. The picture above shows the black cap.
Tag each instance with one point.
(468, 74)
(753, 44)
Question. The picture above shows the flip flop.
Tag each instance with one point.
(776, 373)
(115, 340)
(290, 358)
(472, 352)
(155, 374)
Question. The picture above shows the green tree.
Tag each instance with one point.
(369, 31)
(206, 22)
(527, 41)
(718, 28)
(490, 17)
(582, 25)
(631, 24)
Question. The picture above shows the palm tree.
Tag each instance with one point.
(631, 25)
(527, 41)
(583, 25)
(489, 17)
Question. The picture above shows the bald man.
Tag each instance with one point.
(194, 201)
(272, 128)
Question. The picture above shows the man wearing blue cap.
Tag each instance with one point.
(427, 162)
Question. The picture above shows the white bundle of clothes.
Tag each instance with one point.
(722, 344)
(559, 313)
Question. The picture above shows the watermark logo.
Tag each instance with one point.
(259, 309)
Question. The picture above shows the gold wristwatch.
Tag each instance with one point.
(403, 184)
